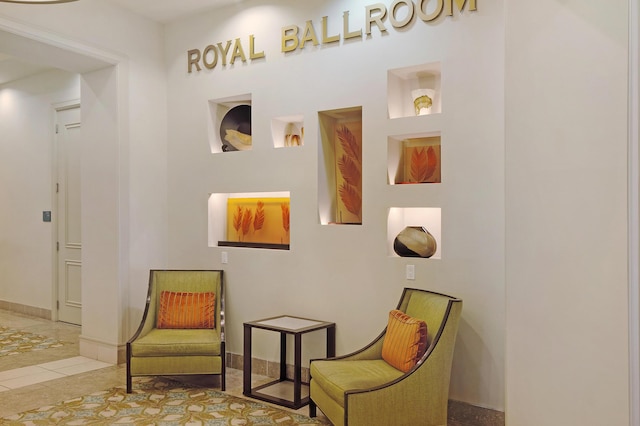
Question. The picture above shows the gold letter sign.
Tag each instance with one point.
(398, 14)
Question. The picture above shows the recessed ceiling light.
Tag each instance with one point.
(37, 1)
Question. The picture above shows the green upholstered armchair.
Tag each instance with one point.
(171, 351)
(363, 389)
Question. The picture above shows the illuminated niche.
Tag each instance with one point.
(414, 159)
(414, 91)
(229, 124)
(426, 217)
(340, 166)
(287, 131)
(251, 219)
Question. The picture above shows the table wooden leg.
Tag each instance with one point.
(331, 341)
(297, 370)
(246, 368)
(283, 356)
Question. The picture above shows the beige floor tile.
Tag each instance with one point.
(65, 362)
(90, 365)
(31, 379)
(20, 372)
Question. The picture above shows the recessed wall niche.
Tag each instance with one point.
(230, 124)
(287, 131)
(340, 166)
(428, 218)
(250, 219)
(414, 91)
(414, 159)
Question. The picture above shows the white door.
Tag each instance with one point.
(69, 241)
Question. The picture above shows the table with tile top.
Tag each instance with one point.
(285, 325)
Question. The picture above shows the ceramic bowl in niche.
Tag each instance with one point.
(235, 129)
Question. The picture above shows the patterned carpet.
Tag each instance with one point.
(159, 402)
(13, 342)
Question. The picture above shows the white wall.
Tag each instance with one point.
(26, 174)
(345, 273)
(566, 174)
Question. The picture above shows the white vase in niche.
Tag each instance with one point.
(423, 100)
(293, 135)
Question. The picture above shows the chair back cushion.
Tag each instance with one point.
(184, 281)
(186, 310)
(427, 306)
(405, 340)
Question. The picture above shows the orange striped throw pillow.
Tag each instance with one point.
(186, 310)
(405, 341)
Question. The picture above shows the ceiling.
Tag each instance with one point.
(162, 11)
(13, 69)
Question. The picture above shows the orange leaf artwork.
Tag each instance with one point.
(350, 167)
(349, 143)
(255, 221)
(258, 220)
(350, 171)
(423, 163)
(285, 216)
(247, 218)
(237, 220)
(351, 199)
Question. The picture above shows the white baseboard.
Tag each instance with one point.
(102, 351)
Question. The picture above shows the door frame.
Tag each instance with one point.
(634, 211)
(55, 109)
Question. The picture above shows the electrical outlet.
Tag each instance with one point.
(410, 272)
(224, 257)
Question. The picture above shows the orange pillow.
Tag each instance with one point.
(186, 310)
(405, 341)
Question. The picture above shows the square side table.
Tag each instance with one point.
(285, 325)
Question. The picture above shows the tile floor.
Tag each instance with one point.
(25, 376)
(38, 378)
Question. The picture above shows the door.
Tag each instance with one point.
(68, 203)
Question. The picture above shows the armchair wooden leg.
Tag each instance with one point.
(223, 378)
(312, 408)
(128, 367)
(223, 372)
(222, 383)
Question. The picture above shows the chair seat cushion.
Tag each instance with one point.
(336, 377)
(184, 342)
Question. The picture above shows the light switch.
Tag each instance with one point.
(224, 257)
(46, 216)
(411, 272)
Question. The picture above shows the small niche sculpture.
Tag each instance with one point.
(415, 241)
